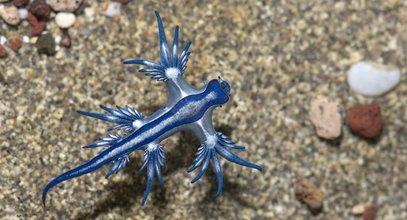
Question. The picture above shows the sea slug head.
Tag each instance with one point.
(224, 86)
(221, 89)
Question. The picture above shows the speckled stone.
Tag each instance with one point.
(65, 5)
(326, 117)
(10, 15)
(46, 44)
(40, 9)
(307, 192)
(366, 120)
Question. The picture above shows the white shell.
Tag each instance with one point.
(372, 79)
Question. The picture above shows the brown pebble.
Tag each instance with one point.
(3, 51)
(65, 41)
(369, 213)
(38, 28)
(40, 9)
(20, 3)
(32, 19)
(366, 120)
(308, 193)
(123, 1)
(16, 45)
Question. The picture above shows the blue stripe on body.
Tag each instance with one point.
(213, 86)
(107, 157)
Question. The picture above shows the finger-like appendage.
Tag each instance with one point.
(153, 161)
(175, 47)
(206, 159)
(150, 179)
(224, 152)
(218, 172)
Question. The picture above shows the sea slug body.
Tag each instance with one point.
(188, 108)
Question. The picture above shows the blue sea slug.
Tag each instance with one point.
(188, 108)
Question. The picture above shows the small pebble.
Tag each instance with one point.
(358, 209)
(326, 117)
(26, 39)
(65, 5)
(46, 44)
(65, 41)
(40, 9)
(16, 45)
(33, 40)
(89, 12)
(58, 39)
(38, 28)
(3, 39)
(59, 113)
(65, 19)
(59, 55)
(112, 9)
(124, 1)
(3, 51)
(10, 15)
(21, 3)
(23, 13)
(369, 213)
(82, 128)
(308, 193)
(366, 120)
(372, 79)
(31, 18)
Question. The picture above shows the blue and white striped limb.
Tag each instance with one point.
(127, 118)
(153, 161)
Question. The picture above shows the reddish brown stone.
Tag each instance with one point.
(366, 120)
(38, 28)
(3, 51)
(40, 9)
(369, 213)
(16, 45)
(65, 41)
(20, 3)
(32, 19)
(123, 1)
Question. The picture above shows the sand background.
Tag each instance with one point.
(276, 55)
